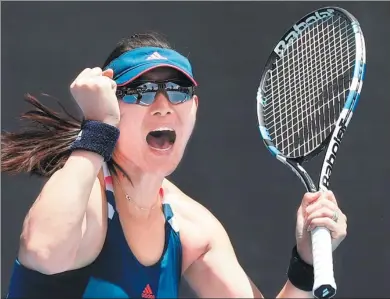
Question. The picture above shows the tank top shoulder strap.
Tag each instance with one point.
(108, 185)
(169, 212)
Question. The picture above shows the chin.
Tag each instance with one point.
(163, 169)
(163, 162)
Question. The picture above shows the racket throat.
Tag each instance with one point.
(301, 173)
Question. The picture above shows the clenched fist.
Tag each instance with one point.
(94, 91)
(319, 210)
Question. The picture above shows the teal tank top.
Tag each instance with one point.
(116, 273)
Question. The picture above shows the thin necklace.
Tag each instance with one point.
(134, 202)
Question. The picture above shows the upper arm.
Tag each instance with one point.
(92, 232)
(94, 226)
(218, 273)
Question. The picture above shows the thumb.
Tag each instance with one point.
(309, 198)
(108, 73)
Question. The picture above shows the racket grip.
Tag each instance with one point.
(324, 282)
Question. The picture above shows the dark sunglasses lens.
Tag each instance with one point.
(138, 93)
(177, 97)
(177, 93)
(130, 99)
(144, 94)
(147, 98)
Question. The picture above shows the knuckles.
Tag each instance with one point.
(91, 79)
(91, 84)
(307, 196)
(340, 234)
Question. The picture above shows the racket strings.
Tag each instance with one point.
(303, 75)
(291, 104)
(302, 46)
(306, 89)
(316, 70)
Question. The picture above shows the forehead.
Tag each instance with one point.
(162, 74)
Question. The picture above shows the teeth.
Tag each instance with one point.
(164, 129)
(161, 149)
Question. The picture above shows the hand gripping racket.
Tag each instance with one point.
(308, 92)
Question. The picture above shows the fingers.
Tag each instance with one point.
(96, 71)
(109, 80)
(326, 205)
(83, 73)
(92, 73)
(309, 198)
(338, 231)
(88, 72)
(109, 73)
(321, 213)
(330, 196)
(322, 202)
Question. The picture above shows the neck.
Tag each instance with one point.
(140, 197)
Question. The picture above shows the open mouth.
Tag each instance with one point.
(161, 139)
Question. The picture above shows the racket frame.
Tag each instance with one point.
(323, 288)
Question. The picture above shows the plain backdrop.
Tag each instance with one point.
(226, 167)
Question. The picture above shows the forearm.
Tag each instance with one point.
(53, 227)
(290, 291)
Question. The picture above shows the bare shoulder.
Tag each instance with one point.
(197, 224)
(188, 208)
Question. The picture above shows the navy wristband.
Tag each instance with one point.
(300, 274)
(97, 137)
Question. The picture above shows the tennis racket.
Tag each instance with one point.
(308, 92)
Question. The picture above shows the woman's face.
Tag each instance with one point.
(153, 138)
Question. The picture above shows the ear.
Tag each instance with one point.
(196, 100)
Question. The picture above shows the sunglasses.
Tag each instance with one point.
(144, 93)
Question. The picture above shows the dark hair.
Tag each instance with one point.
(42, 147)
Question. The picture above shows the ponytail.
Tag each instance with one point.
(43, 147)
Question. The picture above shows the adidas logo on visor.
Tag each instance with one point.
(156, 56)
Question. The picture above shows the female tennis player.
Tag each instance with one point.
(107, 224)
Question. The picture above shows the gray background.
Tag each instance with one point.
(226, 167)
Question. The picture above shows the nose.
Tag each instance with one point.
(161, 105)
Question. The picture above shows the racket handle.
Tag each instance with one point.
(324, 282)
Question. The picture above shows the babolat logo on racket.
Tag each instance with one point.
(335, 144)
(297, 29)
